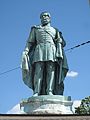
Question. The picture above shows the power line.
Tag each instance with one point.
(77, 46)
(65, 51)
(9, 70)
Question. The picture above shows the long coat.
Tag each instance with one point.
(28, 63)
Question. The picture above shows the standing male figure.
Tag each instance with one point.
(44, 64)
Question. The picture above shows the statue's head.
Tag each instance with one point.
(45, 18)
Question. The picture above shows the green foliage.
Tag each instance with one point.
(84, 107)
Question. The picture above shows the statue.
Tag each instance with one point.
(44, 64)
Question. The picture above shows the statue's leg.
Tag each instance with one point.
(50, 78)
(38, 76)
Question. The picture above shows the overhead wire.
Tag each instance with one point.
(77, 46)
(10, 70)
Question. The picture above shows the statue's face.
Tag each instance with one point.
(45, 18)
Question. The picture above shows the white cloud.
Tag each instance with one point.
(72, 74)
(16, 108)
(76, 104)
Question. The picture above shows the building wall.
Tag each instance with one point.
(44, 117)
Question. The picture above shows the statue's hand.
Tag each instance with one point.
(59, 59)
(25, 53)
(25, 59)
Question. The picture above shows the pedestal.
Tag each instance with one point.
(47, 104)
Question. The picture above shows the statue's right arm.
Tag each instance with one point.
(28, 48)
(30, 42)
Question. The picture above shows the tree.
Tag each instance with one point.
(84, 107)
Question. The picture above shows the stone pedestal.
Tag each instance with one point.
(47, 104)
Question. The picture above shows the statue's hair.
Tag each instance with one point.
(45, 12)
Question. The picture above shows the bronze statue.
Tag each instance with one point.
(44, 64)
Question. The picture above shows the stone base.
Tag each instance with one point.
(47, 104)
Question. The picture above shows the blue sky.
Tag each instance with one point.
(72, 17)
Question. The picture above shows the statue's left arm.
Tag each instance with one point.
(59, 45)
